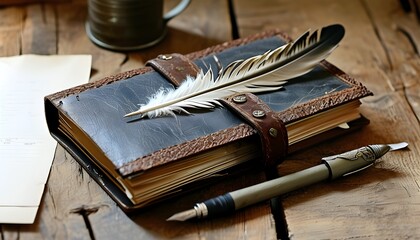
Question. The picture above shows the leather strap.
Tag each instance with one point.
(175, 67)
(271, 129)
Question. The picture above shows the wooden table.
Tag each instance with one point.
(380, 49)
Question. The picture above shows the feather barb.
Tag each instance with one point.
(261, 73)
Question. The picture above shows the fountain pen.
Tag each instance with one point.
(331, 168)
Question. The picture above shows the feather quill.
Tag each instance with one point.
(262, 73)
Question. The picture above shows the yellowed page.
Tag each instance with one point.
(26, 147)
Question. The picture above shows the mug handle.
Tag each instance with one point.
(176, 10)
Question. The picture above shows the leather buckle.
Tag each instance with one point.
(271, 129)
(175, 67)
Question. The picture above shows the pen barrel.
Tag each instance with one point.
(354, 160)
(217, 206)
(266, 190)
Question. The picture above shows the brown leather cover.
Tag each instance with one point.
(55, 97)
(272, 131)
(105, 101)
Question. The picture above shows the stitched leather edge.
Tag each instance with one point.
(54, 98)
(356, 91)
(189, 148)
(287, 116)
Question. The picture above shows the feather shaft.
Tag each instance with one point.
(262, 73)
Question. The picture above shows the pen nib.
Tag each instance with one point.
(183, 216)
(397, 146)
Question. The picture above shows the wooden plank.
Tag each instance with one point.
(400, 36)
(10, 31)
(382, 202)
(20, 2)
(28, 30)
(73, 40)
(74, 206)
(151, 223)
(39, 30)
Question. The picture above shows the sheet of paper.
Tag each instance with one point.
(26, 147)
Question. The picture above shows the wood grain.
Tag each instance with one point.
(21, 2)
(10, 29)
(378, 50)
(74, 206)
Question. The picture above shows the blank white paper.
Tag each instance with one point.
(26, 146)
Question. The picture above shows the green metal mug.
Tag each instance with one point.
(126, 25)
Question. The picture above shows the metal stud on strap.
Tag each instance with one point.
(271, 129)
(165, 57)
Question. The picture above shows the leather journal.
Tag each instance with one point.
(142, 161)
